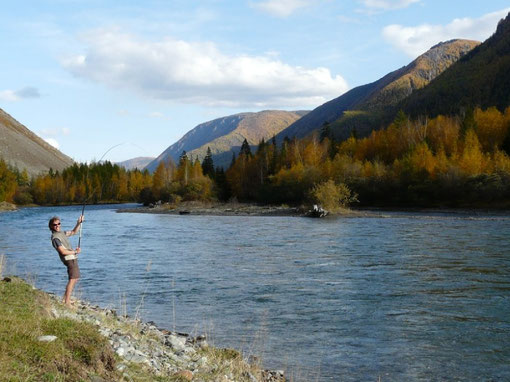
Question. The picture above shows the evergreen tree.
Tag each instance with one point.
(245, 149)
(468, 122)
(223, 190)
(208, 164)
(233, 161)
(325, 132)
(401, 119)
(506, 143)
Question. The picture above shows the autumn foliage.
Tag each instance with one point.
(454, 161)
(444, 161)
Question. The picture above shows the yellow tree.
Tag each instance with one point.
(158, 180)
(422, 159)
(492, 128)
(471, 162)
(8, 184)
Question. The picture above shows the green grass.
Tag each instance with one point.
(80, 353)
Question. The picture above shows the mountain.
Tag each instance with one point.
(364, 105)
(23, 149)
(225, 135)
(139, 163)
(480, 78)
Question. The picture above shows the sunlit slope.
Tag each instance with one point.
(365, 107)
(23, 149)
(225, 135)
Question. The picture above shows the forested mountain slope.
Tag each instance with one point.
(363, 106)
(225, 135)
(480, 78)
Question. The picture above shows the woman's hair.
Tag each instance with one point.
(52, 220)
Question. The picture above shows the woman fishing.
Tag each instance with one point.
(59, 240)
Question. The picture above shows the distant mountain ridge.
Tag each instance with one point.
(138, 162)
(480, 78)
(226, 134)
(365, 103)
(23, 149)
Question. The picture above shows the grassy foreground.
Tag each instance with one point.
(80, 352)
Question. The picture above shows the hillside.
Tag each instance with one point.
(138, 162)
(363, 105)
(481, 78)
(224, 135)
(23, 149)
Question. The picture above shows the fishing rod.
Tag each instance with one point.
(86, 200)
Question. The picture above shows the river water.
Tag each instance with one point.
(393, 297)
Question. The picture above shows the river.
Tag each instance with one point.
(392, 297)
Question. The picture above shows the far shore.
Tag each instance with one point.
(218, 209)
(249, 209)
(230, 209)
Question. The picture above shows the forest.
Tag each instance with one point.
(446, 161)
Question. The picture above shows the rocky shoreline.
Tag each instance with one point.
(4, 206)
(230, 209)
(218, 209)
(166, 353)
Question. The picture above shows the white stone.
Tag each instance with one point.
(47, 338)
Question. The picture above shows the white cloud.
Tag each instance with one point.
(8, 95)
(53, 132)
(417, 40)
(156, 114)
(53, 142)
(281, 8)
(199, 73)
(17, 95)
(383, 5)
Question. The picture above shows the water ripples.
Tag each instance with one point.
(400, 296)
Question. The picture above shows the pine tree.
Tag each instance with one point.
(233, 161)
(245, 149)
(325, 132)
(208, 164)
(468, 122)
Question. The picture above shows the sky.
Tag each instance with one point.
(87, 75)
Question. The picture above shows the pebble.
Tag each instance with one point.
(46, 338)
(167, 353)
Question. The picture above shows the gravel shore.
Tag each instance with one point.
(166, 353)
(218, 209)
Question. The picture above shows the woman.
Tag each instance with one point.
(67, 253)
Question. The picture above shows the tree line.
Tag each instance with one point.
(443, 161)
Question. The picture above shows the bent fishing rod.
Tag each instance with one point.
(86, 200)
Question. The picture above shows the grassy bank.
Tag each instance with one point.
(81, 352)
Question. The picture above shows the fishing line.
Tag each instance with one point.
(85, 201)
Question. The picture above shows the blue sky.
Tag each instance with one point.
(89, 74)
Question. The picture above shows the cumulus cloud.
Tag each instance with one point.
(53, 142)
(53, 132)
(383, 5)
(418, 39)
(17, 95)
(197, 72)
(280, 8)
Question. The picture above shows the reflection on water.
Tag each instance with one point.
(400, 296)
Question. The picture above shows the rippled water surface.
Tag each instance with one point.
(399, 296)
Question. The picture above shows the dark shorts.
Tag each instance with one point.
(73, 270)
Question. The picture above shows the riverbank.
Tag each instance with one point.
(41, 339)
(227, 209)
(4, 206)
